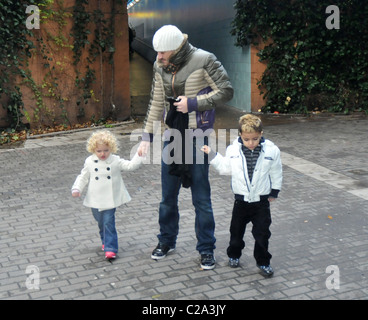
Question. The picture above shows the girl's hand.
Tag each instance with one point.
(75, 194)
(206, 149)
(143, 148)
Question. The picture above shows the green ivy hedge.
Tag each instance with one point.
(310, 66)
(14, 50)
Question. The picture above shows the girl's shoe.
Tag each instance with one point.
(110, 255)
(103, 247)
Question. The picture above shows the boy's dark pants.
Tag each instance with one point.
(259, 214)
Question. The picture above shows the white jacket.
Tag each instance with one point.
(106, 188)
(267, 173)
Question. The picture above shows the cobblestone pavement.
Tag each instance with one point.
(49, 245)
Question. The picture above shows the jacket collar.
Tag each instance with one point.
(239, 141)
(179, 58)
(107, 161)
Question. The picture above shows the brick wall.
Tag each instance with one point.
(111, 94)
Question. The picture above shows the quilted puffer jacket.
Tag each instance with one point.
(196, 74)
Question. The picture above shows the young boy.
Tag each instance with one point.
(256, 177)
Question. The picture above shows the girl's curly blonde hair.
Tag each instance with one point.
(102, 137)
(250, 123)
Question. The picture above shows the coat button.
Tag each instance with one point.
(96, 169)
(108, 168)
(108, 177)
(96, 178)
(96, 161)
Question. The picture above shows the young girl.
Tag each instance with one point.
(106, 189)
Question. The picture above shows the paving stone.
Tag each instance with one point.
(315, 225)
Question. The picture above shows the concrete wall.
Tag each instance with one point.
(207, 22)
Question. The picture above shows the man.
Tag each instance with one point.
(199, 82)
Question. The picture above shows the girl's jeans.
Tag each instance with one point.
(201, 199)
(259, 214)
(106, 225)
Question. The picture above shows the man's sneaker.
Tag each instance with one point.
(233, 262)
(266, 271)
(207, 261)
(161, 251)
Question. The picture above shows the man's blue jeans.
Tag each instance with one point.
(106, 225)
(201, 199)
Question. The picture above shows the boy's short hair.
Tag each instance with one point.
(102, 137)
(250, 123)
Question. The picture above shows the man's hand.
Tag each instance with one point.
(182, 105)
(143, 148)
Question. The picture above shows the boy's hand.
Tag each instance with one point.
(206, 149)
(271, 199)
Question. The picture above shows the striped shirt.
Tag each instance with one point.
(251, 157)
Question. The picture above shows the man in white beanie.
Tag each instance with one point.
(199, 83)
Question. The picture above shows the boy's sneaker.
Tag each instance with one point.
(266, 271)
(233, 262)
(161, 251)
(208, 261)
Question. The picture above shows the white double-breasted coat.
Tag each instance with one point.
(106, 188)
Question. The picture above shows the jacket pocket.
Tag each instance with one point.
(266, 164)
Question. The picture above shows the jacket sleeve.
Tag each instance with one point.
(82, 179)
(130, 165)
(155, 105)
(276, 171)
(218, 79)
(222, 164)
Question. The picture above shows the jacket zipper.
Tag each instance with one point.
(245, 178)
(172, 85)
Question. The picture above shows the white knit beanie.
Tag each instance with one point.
(167, 38)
